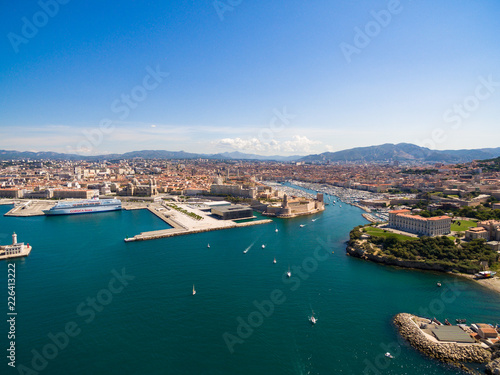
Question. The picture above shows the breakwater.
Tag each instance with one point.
(453, 353)
(153, 235)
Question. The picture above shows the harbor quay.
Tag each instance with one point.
(186, 219)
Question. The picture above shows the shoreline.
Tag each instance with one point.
(493, 284)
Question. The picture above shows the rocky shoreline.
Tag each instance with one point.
(357, 252)
(451, 353)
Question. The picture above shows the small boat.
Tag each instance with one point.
(245, 251)
(276, 230)
(274, 261)
(446, 322)
(313, 220)
(438, 284)
(263, 246)
(288, 274)
(302, 225)
(194, 290)
(313, 320)
(461, 321)
(208, 246)
(389, 355)
(436, 321)
(485, 274)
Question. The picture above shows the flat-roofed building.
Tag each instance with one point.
(492, 227)
(11, 193)
(234, 212)
(452, 334)
(476, 233)
(426, 226)
(75, 193)
(485, 331)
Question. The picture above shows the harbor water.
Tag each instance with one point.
(130, 308)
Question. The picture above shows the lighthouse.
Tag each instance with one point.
(14, 238)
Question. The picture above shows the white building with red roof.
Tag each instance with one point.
(426, 226)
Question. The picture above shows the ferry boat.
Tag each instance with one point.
(84, 206)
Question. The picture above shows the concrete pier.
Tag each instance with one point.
(30, 208)
(183, 224)
(153, 235)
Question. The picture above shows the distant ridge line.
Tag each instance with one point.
(403, 152)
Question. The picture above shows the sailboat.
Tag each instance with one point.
(194, 290)
(312, 318)
(288, 274)
(274, 261)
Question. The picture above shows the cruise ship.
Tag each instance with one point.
(84, 206)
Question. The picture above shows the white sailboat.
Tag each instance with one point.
(194, 290)
(312, 318)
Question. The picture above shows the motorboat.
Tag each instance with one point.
(194, 290)
(274, 261)
(389, 355)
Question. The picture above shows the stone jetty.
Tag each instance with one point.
(453, 353)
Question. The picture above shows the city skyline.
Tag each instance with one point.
(265, 79)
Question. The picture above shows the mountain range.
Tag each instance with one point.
(402, 152)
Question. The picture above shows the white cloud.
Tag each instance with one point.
(297, 144)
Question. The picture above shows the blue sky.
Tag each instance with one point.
(281, 77)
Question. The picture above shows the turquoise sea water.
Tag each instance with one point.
(154, 325)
